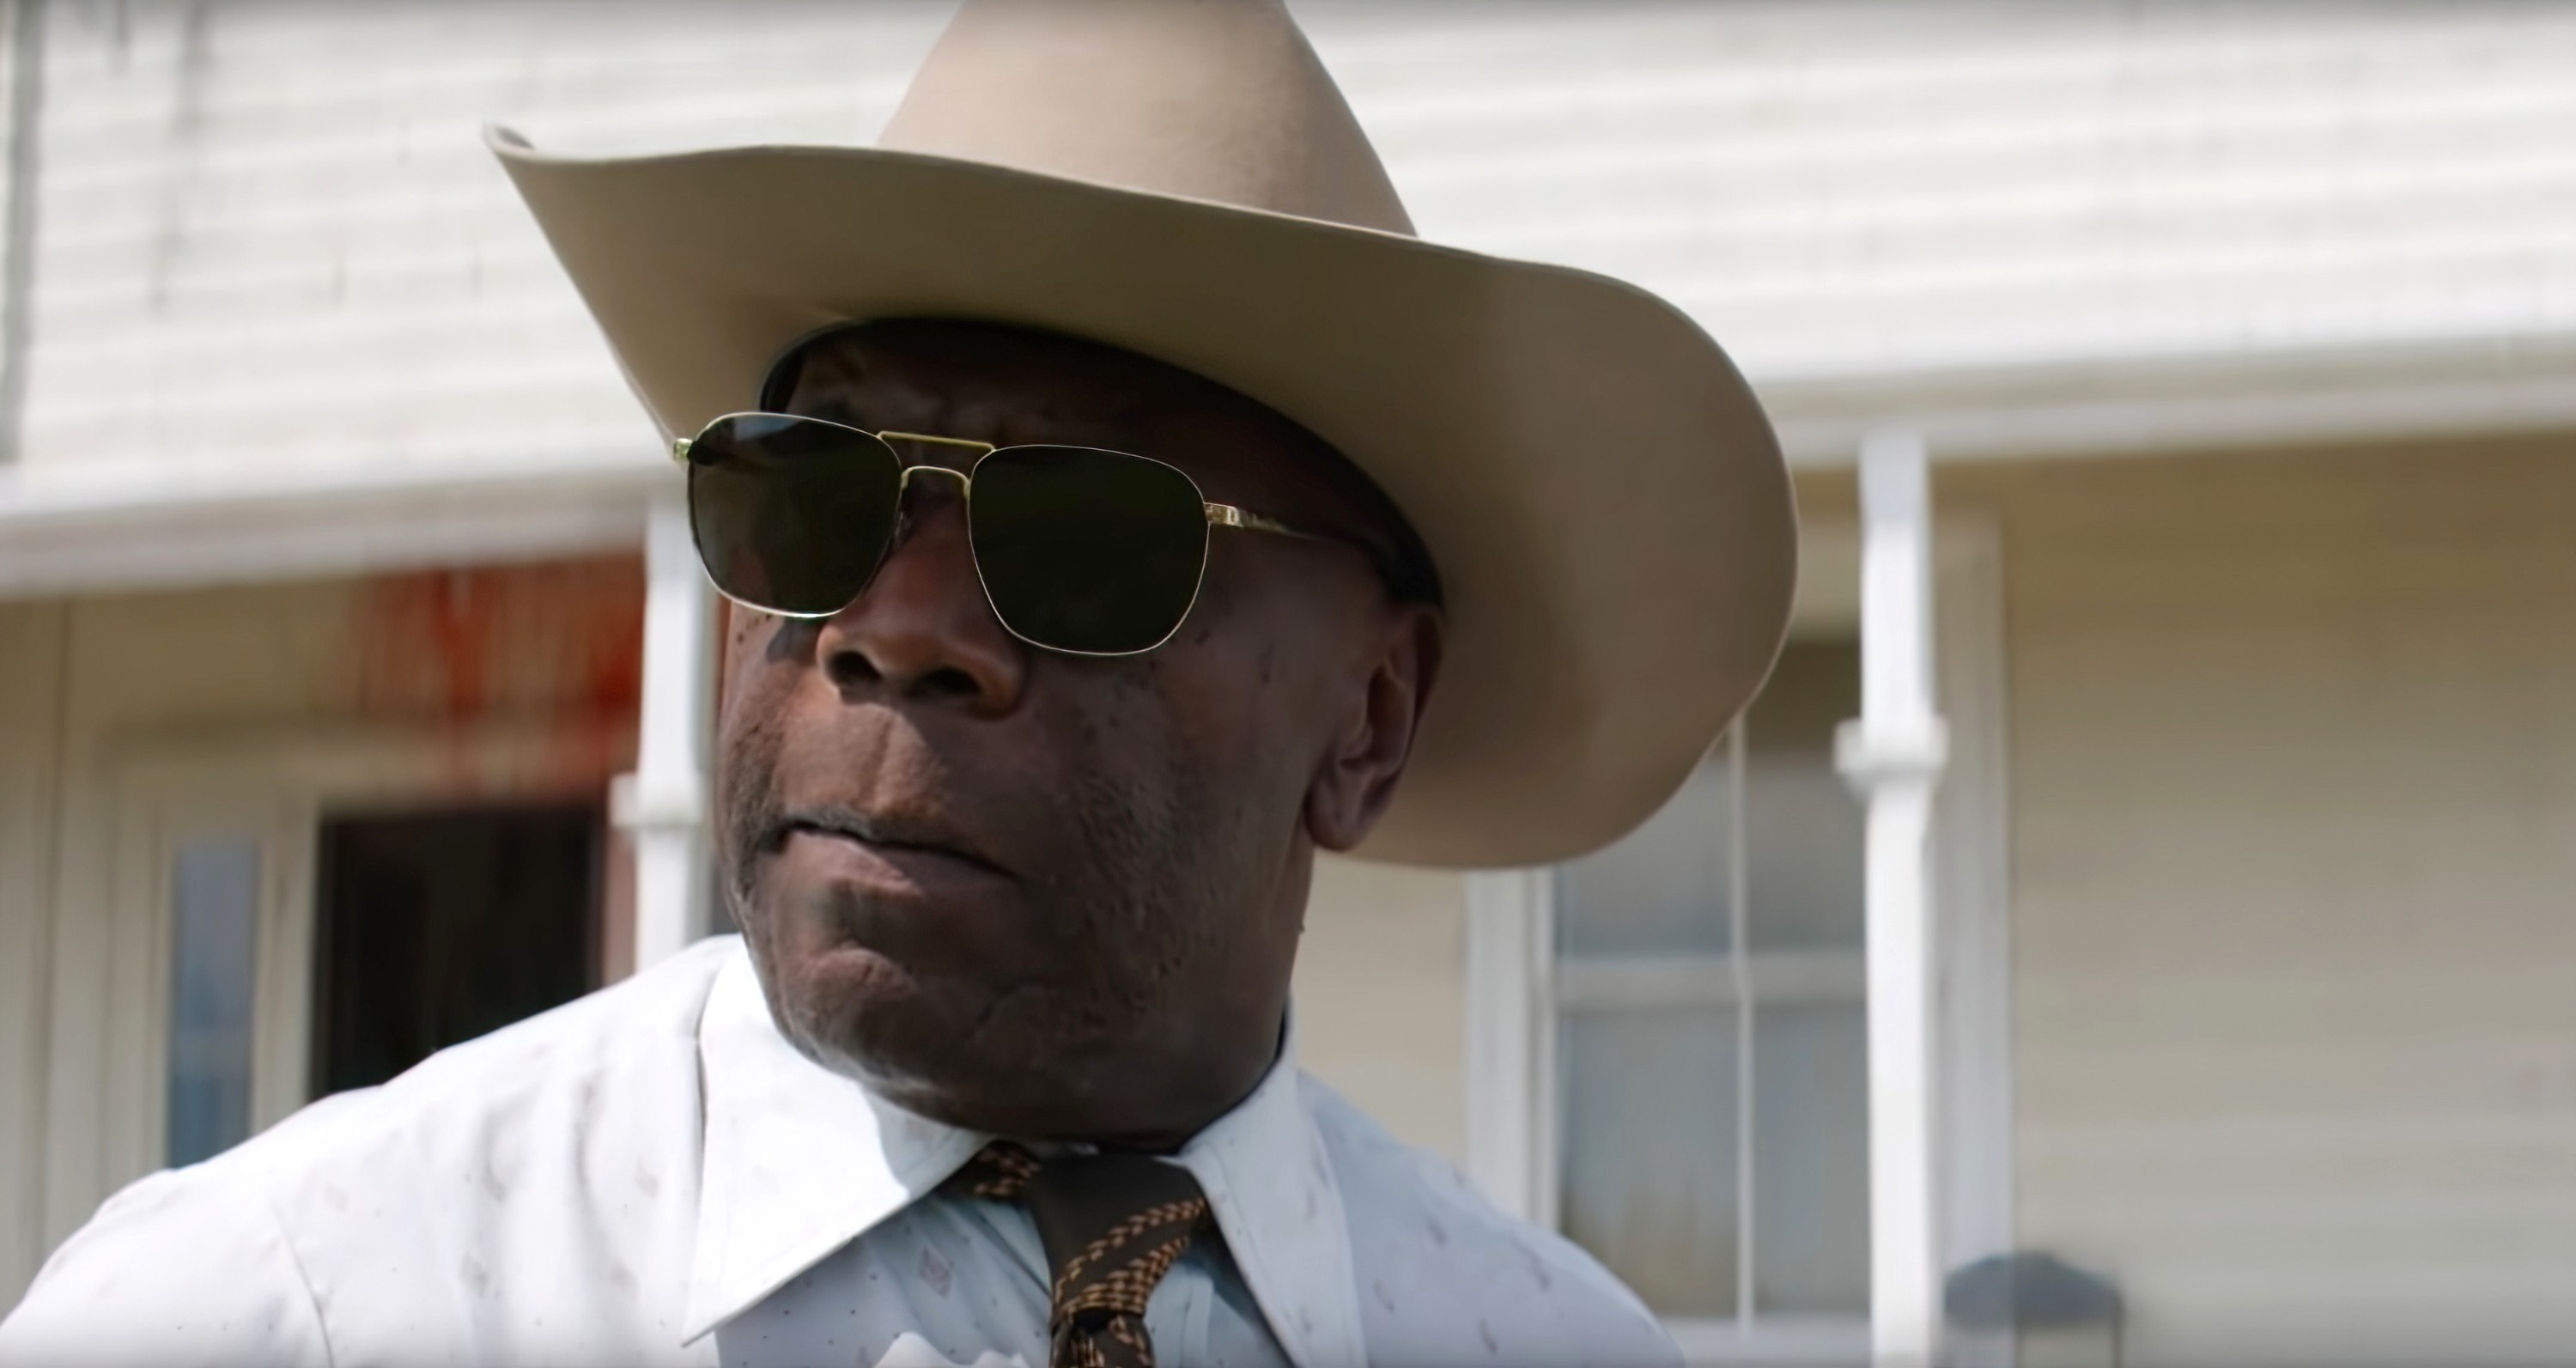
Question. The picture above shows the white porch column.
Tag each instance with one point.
(1893, 755)
(663, 804)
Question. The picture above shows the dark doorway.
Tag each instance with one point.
(437, 927)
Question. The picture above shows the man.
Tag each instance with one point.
(1119, 506)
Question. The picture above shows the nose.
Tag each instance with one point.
(923, 631)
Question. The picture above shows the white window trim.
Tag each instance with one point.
(1512, 1013)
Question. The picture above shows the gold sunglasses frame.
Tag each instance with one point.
(1217, 515)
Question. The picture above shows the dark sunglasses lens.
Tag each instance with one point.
(791, 514)
(1084, 550)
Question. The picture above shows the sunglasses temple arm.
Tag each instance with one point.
(1227, 515)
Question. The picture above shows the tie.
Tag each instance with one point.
(1111, 1225)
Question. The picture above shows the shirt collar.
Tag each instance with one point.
(799, 1161)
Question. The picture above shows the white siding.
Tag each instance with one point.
(1856, 186)
(2293, 771)
(270, 232)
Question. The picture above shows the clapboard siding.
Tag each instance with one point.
(270, 233)
(2294, 907)
(1852, 186)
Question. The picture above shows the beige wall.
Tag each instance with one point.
(1381, 1007)
(31, 706)
(2294, 909)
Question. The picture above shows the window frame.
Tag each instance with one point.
(1516, 990)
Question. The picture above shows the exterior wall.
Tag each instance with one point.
(1381, 996)
(243, 685)
(31, 705)
(270, 232)
(1858, 186)
(2293, 772)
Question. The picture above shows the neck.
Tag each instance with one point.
(1188, 1093)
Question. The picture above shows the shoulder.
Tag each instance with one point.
(616, 1057)
(173, 1269)
(1445, 1277)
(538, 1135)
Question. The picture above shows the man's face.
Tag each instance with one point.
(1045, 894)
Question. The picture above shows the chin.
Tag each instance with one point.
(851, 1007)
(943, 1050)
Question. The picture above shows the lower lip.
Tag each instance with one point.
(895, 869)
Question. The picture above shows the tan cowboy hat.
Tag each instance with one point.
(1180, 178)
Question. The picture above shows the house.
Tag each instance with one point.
(2183, 400)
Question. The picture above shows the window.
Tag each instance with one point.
(1711, 1141)
(1666, 1051)
(214, 963)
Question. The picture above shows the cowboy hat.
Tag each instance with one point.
(1604, 500)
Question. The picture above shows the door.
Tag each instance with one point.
(433, 927)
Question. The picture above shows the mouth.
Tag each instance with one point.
(907, 845)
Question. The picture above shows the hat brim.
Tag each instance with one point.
(1605, 501)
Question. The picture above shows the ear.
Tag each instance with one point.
(1357, 776)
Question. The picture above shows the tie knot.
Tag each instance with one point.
(999, 1172)
(1111, 1225)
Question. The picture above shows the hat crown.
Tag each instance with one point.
(1217, 100)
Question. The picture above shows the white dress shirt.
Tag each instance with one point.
(653, 1175)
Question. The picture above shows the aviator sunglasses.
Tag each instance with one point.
(1079, 550)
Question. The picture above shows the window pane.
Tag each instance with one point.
(214, 936)
(1802, 824)
(1648, 1143)
(1811, 1159)
(1661, 890)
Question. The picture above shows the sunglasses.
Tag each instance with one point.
(1079, 550)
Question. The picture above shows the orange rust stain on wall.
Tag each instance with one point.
(558, 642)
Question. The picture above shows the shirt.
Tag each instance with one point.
(654, 1175)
